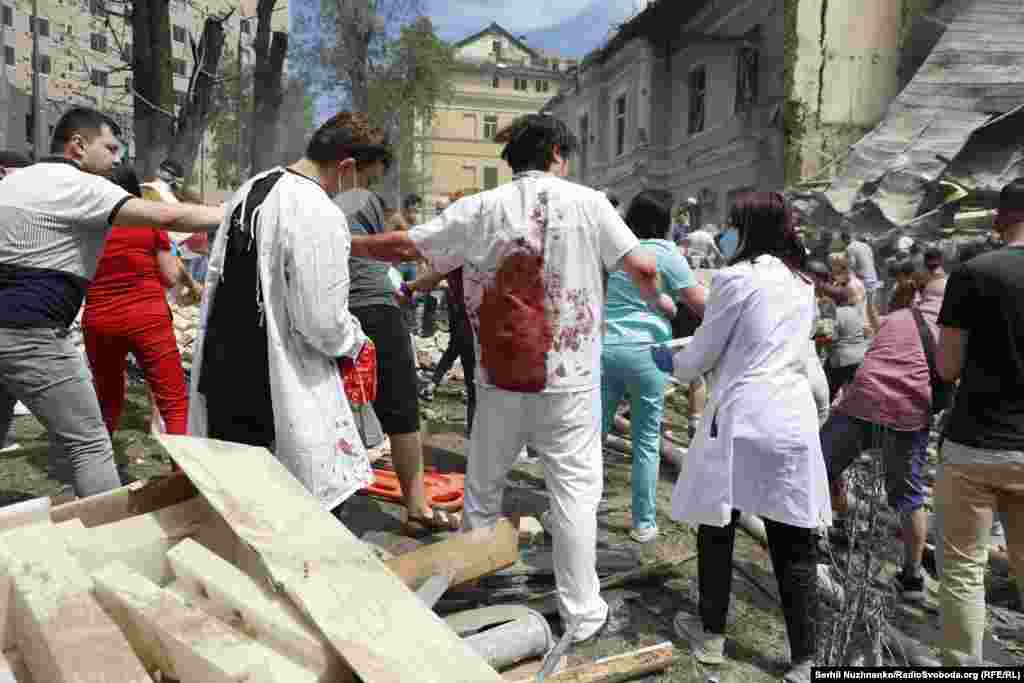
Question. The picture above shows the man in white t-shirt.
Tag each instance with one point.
(54, 220)
(532, 253)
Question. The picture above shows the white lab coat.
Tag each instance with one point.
(304, 247)
(766, 458)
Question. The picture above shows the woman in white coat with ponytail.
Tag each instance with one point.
(757, 449)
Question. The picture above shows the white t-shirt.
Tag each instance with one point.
(583, 234)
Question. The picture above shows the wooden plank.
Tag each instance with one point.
(624, 667)
(377, 624)
(26, 512)
(269, 618)
(469, 555)
(137, 498)
(184, 642)
(60, 629)
(140, 542)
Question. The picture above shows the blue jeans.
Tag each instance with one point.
(629, 367)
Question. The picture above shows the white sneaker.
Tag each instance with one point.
(644, 534)
(20, 409)
(708, 648)
(10, 448)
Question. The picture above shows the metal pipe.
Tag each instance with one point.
(515, 641)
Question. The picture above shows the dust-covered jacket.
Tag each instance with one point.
(304, 245)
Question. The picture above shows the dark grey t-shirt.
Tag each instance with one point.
(370, 284)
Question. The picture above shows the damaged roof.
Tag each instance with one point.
(973, 75)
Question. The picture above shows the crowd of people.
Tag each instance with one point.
(560, 306)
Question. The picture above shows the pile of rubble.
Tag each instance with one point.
(217, 574)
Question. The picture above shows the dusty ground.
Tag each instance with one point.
(756, 639)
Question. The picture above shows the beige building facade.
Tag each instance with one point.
(85, 57)
(496, 79)
(686, 97)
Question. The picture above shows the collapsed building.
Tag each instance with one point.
(948, 142)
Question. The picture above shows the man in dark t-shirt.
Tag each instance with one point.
(982, 345)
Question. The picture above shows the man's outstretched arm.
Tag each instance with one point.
(391, 246)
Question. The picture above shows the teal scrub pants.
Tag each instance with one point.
(629, 367)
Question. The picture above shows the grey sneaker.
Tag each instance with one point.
(799, 673)
(644, 534)
(708, 648)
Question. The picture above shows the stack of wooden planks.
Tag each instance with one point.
(227, 572)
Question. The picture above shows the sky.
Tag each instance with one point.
(570, 28)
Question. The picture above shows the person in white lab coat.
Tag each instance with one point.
(275, 322)
(757, 449)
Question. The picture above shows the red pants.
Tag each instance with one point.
(108, 343)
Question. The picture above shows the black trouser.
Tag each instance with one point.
(794, 553)
(839, 377)
(460, 345)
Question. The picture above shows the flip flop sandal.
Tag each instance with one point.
(418, 526)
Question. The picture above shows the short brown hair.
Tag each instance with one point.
(347, 135)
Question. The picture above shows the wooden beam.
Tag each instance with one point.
(469, 555)
(137, 498)
(364, 609)
(140, 542)
(269, 618)
(63, 634)
(624, 667)
(184, 642)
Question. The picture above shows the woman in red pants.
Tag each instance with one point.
(126, 312)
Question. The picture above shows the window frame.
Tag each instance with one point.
(175, 30)
(99, 78)
(43, 22)
(620, 122)
(525, 83)
(9, 50)
(45, 64)
(489, 121)
(175, 61)
(6, 16)
(245, 27)
(748, 65)
(98, 43)
(697, 117)
(490, 171)
(496, 82)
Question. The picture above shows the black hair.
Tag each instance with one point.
(411, 201)
(766, 225)
(650, 214)
(905, 267)
(125, 176)
(80, 121)
(11, 159)
(819, 269)
(613, 199)
(347, 136)
(172, 167)
(530, 141)
(933, 253)
(1011, 197)
(845, 236)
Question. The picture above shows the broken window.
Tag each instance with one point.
(746, 79)
(620, 125)
(698, 99)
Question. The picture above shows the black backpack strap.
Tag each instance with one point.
(928, 342)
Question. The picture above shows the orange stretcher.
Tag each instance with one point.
(444, 491)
